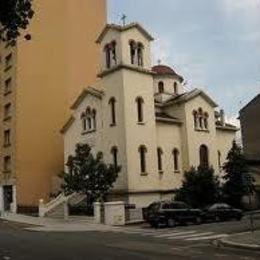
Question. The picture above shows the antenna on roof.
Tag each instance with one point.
(123, 19)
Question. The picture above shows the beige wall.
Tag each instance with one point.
(53, 67)
(169, 138)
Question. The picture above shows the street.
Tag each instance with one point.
(133, 242)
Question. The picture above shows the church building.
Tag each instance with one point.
(141, 118)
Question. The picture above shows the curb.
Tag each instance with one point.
(224, 242)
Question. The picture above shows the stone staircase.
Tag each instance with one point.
(58, 207)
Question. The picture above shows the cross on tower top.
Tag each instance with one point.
(124, 19)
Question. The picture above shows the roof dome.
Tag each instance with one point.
(165, 70)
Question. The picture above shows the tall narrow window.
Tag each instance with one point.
(200, 116)
(160, 87)
(7, 137)
(159, 157)
(89, 119)
(114, 54)
(195, 118)
(8, 61)
(140, 60)
(84, 121)
(112, 103)
(94, 116)
(140, 112)
(176, 159)
(108, 56)
(8, 86)
(7, 163)
(132, 51)
(204, 156)
(114, 152)
(175, 88)
(7, 110)
(142, 153)
(206, 124)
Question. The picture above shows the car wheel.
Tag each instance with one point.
(171, 222)
(198, 220)
(154, 224)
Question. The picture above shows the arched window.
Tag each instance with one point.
(161, 87)
(204, 156)
(112, 103)
(84, 121)
(206, 116)
(175, 87)
(89, 118)
(114, 54)
(159, 157)
(200, 116)
(142, 154)
(94, 116)
(176, 154)
(140, 60)
(114, 152)
(140, 112)
(108, 56)
(132, 51)
(195, 118)
(219, 160)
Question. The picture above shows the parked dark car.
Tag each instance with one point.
(170, 213)
(221, 212)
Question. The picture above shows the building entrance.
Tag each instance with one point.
(8, 197)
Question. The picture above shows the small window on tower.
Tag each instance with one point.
(175, 87)
(160, 87)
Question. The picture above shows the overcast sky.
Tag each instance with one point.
(214, 44)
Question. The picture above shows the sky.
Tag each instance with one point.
(214, 44)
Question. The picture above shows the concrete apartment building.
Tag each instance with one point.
(39, 80)
(140, 117)
(250, 127)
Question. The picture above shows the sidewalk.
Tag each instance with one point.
(247, 240)
(73, 224)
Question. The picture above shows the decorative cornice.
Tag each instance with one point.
(169, 120)
(125, 66)
(67, 125)
(121, 28)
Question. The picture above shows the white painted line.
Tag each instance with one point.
(192, 235)
(207, 237)
(174, 234)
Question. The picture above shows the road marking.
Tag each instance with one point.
(176, 233)
(207, 237)
(192, 235)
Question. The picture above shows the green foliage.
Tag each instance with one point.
(238, 180)
(15, 16)
(200, 188)
(88, 174)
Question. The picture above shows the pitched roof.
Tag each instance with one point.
(255, 99)
(123, 28)
(67, 125)
(164, 117)
(86, 91)
(164, 70)
(185, 97)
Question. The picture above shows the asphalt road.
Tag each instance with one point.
(136, 242)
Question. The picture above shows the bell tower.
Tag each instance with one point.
(125, 45)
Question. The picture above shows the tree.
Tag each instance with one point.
(238, 180)
(88, 174)
(15, 16)
(200, 188)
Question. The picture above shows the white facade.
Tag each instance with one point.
(143, 113)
